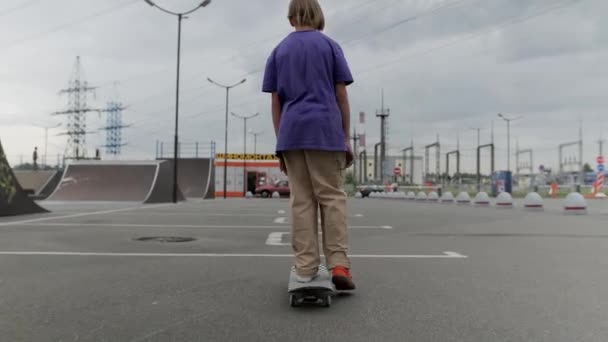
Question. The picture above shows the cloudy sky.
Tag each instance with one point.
(445, 65)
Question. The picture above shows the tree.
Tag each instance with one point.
(587, 168)
(349, 178)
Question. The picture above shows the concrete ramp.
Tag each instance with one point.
(127, 181)
(39, 184)
(13, 200)
(196, 177)
(50, 186)
(161, 190)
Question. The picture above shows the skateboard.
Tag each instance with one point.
(319, 290)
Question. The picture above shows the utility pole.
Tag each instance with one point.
(227, 87)
(383, 114)
(478, 135)
(46, 140)
(76, 128)
(114, 125)
(245, 118)
(508, 121)
(255, 141)
(355, 151)
(411, 170)
(581, 172)
(437, 146)
(180, 16)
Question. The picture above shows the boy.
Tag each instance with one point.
(307, 75)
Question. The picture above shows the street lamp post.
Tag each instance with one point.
(179, 16)
(46, 139)
(226, 126)
(245, 118)
(255, 141)
(508, 121)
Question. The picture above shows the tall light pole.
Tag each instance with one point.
(508, 121)
(478, 135)
(255, 141)
(245, 118)
(180, 16)
(46, 139)
(226, 126)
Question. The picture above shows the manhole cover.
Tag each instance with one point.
(166, 239)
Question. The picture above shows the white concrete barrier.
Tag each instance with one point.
(433, 197)
(482, 199)
(463, 198)
(411, 196)
(504, 200)
(421, 196)
(533, 202)
(249, 194)
(575, 204)
(447, 198)
(276, 195)
(358, 195)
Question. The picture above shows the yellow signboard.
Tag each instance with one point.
(241, 156)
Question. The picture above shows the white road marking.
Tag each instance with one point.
(170, 225)
(199, 214)
(281, 212)
(358, 215)
(102, 212)
(445, 255)
(280, 220)
(454, 254)
(276, 239)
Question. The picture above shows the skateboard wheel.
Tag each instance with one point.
(327, 301)
(293, 301)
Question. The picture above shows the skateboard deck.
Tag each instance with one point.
(319, 290)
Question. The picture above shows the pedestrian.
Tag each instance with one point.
(307, 75)
(35, 158)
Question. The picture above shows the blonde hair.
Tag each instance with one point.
(306, 13)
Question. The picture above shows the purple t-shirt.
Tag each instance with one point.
(304, 69)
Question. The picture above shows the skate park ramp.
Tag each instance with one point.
(39, 184)
(50, 186)
(124, 181)
(13, 200)
(196, 177)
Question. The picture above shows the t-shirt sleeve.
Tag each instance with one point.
(270, 75)
(342, 72)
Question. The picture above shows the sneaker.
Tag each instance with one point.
(342, 279)
(304, 279)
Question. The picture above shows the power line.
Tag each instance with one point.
(244, 47)
(18, 7)
(499, 27)
(233, 58)
(70, 24)
(389, 27)
(405, 20)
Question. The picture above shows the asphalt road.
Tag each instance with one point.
(425, 272)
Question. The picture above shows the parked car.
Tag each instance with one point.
(365, 190)
(280, 186)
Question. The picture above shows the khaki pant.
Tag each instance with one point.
(315, 181)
